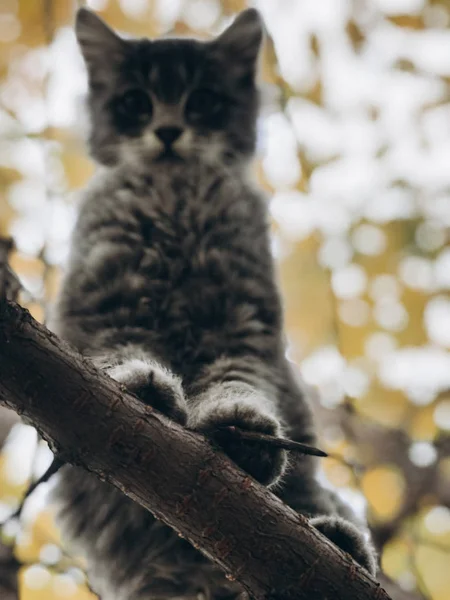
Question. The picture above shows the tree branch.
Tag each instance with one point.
(89, 420)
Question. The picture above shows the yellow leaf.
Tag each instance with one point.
(269, 63)
(338, 474)
(395, 559)
(9, 490)
(385, 406)
(42, 581)
(52, 283)
(233, 6)
(26, 265)
(422, 425)
(37, 311)
(433, 567)
(308, 309)
(146, 25)
(384, 488)
(39, 20)
(407, 21)
(8, 176)
(6, 215)
(355, 34)
(43, 531)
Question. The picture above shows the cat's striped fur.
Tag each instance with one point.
(171, 288)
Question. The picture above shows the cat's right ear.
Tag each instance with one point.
(240, 43)
(101, 46)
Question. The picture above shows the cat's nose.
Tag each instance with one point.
(168, 135)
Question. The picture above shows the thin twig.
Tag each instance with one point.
(264, 438)
(10, 285)
(54, 467)
(5, 247)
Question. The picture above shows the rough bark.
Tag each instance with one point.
(89, 420)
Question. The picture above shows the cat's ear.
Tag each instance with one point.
(241, 41)
(101, 47)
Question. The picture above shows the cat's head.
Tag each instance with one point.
(172, 99)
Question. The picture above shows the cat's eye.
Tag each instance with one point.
(204, 102)
(136, 103)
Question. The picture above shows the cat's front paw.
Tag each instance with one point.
(262, 461)
(349, 538)
(154, 385)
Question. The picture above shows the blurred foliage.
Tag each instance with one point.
(355, 150)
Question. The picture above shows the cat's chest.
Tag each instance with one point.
(182, 282)
(184, 241)
(185, 253)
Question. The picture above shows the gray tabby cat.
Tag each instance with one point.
(170, 288)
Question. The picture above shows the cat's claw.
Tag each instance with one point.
(263, 462)
(154, 385)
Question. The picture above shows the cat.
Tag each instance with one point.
(171, 289)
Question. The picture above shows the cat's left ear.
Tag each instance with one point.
(241, 41)
(101, 47)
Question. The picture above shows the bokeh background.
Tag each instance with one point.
(354, 150)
